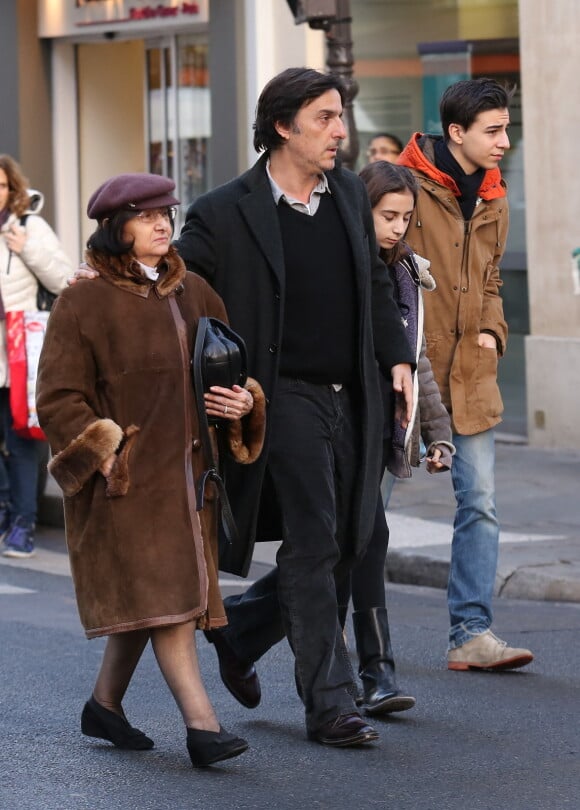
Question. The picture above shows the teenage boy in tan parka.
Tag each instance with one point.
(460, 223)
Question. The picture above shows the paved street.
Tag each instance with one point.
(481, 741)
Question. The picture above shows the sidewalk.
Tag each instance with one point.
(538, 500)
(538, 503)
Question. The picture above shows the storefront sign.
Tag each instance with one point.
(63, 18)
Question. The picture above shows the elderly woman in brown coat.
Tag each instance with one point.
(116, 401)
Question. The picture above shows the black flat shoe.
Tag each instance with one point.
(207, 747)
(96, 721)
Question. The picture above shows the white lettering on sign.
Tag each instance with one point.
(59, 18)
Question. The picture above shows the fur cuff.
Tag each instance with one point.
(73, 466)
(245, 437)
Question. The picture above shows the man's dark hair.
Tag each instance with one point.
(462, 102)
(284, 96)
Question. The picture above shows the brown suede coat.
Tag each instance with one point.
(115, 376)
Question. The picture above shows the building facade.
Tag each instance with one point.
(91, 88)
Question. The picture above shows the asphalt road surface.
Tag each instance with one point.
(506, 741)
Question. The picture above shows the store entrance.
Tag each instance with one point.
(110, 105)
(144, 106)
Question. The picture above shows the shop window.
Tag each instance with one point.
(179, 113)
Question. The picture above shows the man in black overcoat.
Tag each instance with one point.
(290, 247)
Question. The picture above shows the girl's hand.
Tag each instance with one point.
(228, 403)
(433, 463)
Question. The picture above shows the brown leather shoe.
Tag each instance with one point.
(239, 677)
(344, 730)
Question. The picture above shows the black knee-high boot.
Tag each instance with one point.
(376, 663)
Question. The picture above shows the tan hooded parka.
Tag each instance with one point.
(464, 260)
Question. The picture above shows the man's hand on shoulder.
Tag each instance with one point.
(82, 271)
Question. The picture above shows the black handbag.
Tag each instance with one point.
(219, 358)
(44, 298)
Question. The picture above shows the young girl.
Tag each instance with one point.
(392, 192)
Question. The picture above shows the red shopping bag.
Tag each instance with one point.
(24, 337)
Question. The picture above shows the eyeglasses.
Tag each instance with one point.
(151, 215)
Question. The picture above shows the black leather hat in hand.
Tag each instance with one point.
(219, 357)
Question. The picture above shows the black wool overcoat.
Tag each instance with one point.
(232, 238)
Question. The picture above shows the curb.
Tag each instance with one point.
(556, 579)
(540, 571)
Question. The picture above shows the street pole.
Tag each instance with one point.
(340, 60)
(334, 18)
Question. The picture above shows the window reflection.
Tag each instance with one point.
(179, 114)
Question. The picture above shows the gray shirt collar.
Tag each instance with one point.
(310, 207)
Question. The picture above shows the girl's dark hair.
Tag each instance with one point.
(18, 199)
(462, 102)
(284, 96)
(382, 178)
(108, 238)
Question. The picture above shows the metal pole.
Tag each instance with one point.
(340, 61)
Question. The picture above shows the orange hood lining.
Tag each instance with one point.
(413, 156)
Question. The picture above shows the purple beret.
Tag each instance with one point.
(125, 191)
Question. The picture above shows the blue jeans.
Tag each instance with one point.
(474, 550)
(18, 467)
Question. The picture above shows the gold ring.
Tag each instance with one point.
(225, 408)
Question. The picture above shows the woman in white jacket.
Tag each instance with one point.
(30, 252)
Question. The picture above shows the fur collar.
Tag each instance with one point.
(124, 272)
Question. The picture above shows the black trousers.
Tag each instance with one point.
(366, 581)
(313, 459)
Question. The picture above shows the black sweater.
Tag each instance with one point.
(319, 333)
